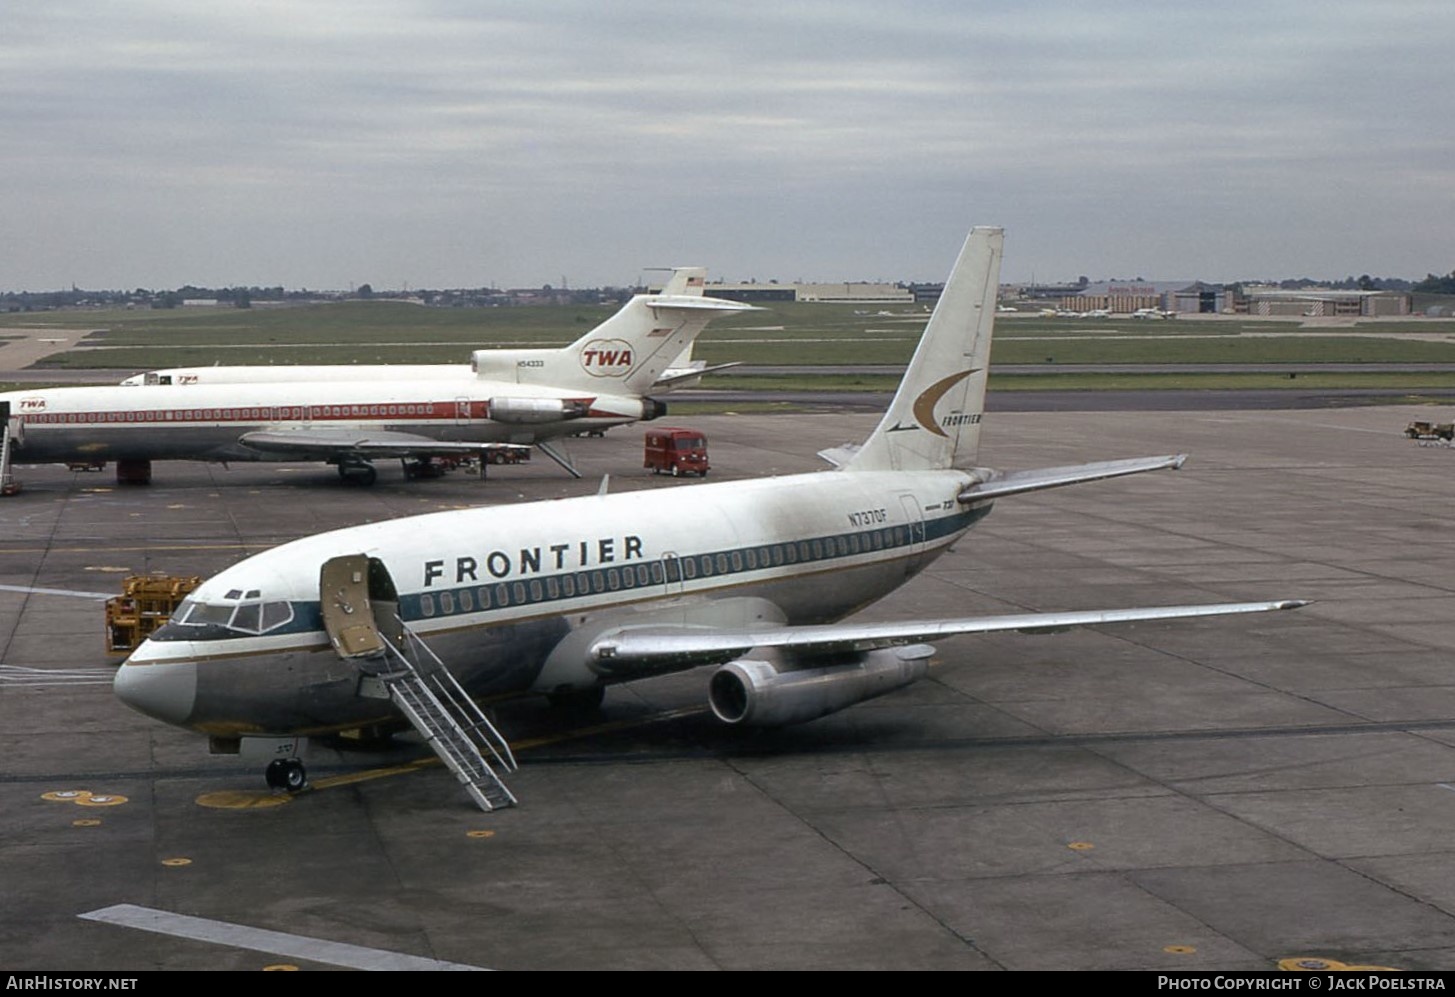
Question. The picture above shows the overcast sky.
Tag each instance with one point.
(452, 143)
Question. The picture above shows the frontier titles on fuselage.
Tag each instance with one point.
(568, 556)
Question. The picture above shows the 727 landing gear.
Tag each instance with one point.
(357, 472)
(286, 773)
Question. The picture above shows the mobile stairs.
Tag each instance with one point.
(447, 718)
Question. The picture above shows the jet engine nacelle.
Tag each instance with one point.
(653, 409)
(533, 410)
(756, 694)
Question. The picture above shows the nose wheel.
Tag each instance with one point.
(286, 773)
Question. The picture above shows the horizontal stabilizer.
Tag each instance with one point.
(841, 455)
(655, 646)
(666, 380)
(1015, 482)
(326, 443)
(685, 303)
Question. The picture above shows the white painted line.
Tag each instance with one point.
(1446, 785)
(202, 929)
(36, 591)
(20, 675)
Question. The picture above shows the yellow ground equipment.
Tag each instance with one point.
(145, 603)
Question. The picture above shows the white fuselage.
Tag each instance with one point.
(208, 422)
(509, 595)
(264, 373)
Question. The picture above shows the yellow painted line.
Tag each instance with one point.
(1179, 949)
(84, 798)
(368, 775)
(260, 799)
(1313, 964)
(243, 799)
(176, 863)
(1081, 846)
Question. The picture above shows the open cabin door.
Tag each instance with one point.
(360, 606)
(360, 609)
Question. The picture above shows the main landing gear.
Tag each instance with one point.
(357, 472)
(286, 773)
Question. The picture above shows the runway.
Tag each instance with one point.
(1219, 793)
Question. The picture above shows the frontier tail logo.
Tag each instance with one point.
(924, 407)
(607, 358)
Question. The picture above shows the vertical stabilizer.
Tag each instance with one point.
(688, 281)
(934, 420)
(626, 354)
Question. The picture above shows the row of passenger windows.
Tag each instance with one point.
(541, 589)
(192, 415)
(670, 569)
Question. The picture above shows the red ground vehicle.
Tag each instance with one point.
(676, 451)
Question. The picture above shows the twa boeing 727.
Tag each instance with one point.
(415, 620)
(514, 398)
(490, 363)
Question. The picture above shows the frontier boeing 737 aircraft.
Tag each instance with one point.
(415, 620)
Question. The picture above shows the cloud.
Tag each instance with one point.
(461, 143)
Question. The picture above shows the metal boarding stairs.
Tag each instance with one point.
(7, 482)
(449, 721)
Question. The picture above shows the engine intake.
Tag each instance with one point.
(754, 693)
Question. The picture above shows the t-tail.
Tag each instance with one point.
(626, 354)
(934, 420)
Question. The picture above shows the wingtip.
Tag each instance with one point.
(1178, 460)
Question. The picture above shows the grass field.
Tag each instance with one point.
(392, 332)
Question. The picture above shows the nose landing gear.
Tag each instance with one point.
(286, 773)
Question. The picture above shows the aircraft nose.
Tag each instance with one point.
(165, 691)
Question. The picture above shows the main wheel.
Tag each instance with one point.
(295, 776)
(276, 774)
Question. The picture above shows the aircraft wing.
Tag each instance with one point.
(1015, 482)
(322, 444)
(651, 647)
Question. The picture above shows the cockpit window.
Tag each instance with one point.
(275, 614)
(204, 614)
(249, 616)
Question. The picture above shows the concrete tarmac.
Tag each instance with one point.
(1218, 793)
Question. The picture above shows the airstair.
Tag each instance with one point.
(449, 721)
(8, 484)
(359, 605)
